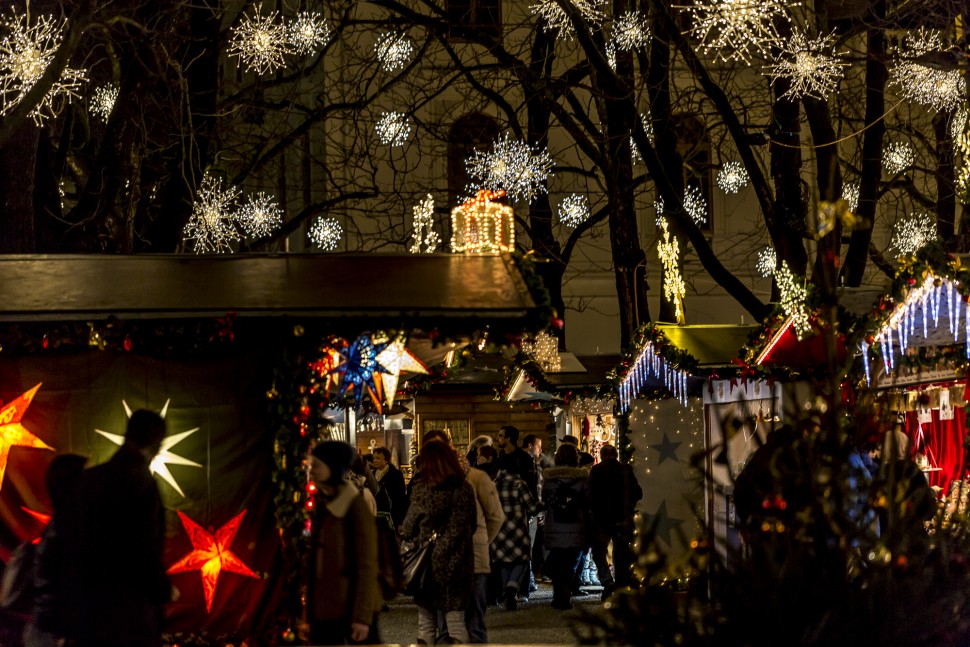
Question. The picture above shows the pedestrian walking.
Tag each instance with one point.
(613, 493)
(564, 493)
(392, 498)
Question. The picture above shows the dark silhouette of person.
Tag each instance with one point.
(121, 584)
(614, 493)
(392, 495)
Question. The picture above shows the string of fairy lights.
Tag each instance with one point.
(218, 220)
(650, 364)
(913, 232)
(668, 249)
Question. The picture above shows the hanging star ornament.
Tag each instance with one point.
(14, 434)
(164, 457)
(667, 449)
(397, 358)
(211, 555)
(361, 370)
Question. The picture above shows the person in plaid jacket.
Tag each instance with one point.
(512, 548)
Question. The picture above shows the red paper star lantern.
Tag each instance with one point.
(211, 555)
(14, 434)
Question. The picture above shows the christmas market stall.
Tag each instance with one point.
(249, 359)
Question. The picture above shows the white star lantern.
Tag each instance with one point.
(397, 358)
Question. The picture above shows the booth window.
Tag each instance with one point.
(481, 16)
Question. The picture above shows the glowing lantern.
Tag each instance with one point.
(481, 225)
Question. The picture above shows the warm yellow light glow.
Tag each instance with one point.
(481, 225)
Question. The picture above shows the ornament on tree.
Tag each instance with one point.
(647, 120)
(260, 216)
(103, 100)
(326, 233)
(674, 287)
(734, 30)
(260, 42)
(557, 19)
(393, 128)
(810, 64)
(544, 349)
(573, 210)
(695, 205)
(793, 295)
(394, 50)
(897, 157)
(210, 227)
(767, 260)
(921, 78)
(308, 33)
(511, 166)
(630, 31)
(850, 193)
(732, 177)
(913, 233)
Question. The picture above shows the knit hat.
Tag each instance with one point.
(336, 455)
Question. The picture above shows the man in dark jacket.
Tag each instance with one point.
(392, 496)
(613, 492)
(514, 460)
(121, 585)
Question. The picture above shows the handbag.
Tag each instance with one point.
(416, 565)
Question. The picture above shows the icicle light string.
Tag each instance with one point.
(650, 363)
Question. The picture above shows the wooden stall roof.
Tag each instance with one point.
(413, 289)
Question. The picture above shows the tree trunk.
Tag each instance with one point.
(786, 162)
(946, 204)
(17, 190)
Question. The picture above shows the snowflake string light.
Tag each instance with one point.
(611, 56)
(897, 157)
(424, 239)
(511, 166)
(630, 31)
(25, 53)
(103, 100)
(647, 122)
(913, 233)
(850, 193)
(674, 287)
(695, 205)
(326, 233)
(732, 177)
(573, 210)
(810, 64)
(734, 29)
(927, 85)
(210, 226)
(545, 351)
(767, 260)
(393, 128)
(556, 19)
(658, 206)
(394, 50)
(308, 33)
(260, 216)
(793, 294)
(261, 43)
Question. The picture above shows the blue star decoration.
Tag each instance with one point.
(661, 522)
(667, 449)
(361, 370)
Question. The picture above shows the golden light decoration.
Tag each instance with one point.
(326, 233)
(511, 166)
(260, 42)
(913, 233)
(668, 248)
(920, 77)
(630, 31)
(850, 193)
(732, 177)
(13, 433)
(556, 19)
(573, 210)
(767, 260)
(210, 227)
(482, 225)
(647, 120)
(393, 128)
(103, 100)
(544, 349)
(260, 215)
(658, 206)
(424, 239)
(308, 33)
(396, 359)
(793, 295)
(394, 50)
(811, 64)
(695, 205)
(960, 132)
(734, 30)
(897, 157)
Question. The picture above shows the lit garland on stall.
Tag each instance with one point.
(260, 43)
(210, 226)
(544, 350)
(103, 100)
(424, 239)
(394, 50)
(482, 225)
(308, 33)
(511, 166)
(326, 233)
(674, 287)
(556, 18)
(913, 233)
(850, 193)
(810, 64)
(573, 210)
(767, 260)
(630, 31)
(926, 85)
(897, 157)
(793, 295)
(650, 363)
(695, 205)
(25, 52)
(735, 29)
(393, 128)
(732, 177)
(260, 216)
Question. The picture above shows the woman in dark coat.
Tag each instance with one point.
(564, 491)
(443, 502)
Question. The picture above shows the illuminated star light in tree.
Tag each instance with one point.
(793, 295)
(260, 216)
(308, 33)
(25, 53)
(164, 457)
(261, 43)
(544, 349)
(658, 206)
(556, 19)
(767, 260)
(810, 64)
(394, 50)
(573, 210)
(630, 31)
(850, 193)
(13, 433)
(668, 249)
(927, 85)
(361, 370)
(393, 128)
(326, 233)
(211, 555)
(396, 358)
(695, 205)
(210, 226)
(424, 239)
(647, 120)
(511, 166)
(103, 100)
(732, 177)
(736, 29)
(913, 233)
(897, 157)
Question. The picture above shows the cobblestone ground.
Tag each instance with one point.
(534, 623)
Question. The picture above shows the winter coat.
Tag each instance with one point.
(613, 492)
(519, 463)
(343, 560)
(52, 568)
(488, 516)
(512, 543)
(559, 533)
(448, 510)
(392, 496)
